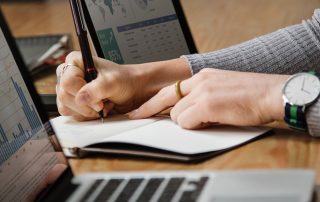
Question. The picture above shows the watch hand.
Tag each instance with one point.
(306, 91)
(302, 87)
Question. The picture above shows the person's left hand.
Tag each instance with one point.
(218, 96)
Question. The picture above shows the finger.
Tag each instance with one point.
(182, 105)
(72, 80)
(92, 94)
(58, 75)
(75, 58)
(66, 111)
(164, 99)
(68, 101)
(59, 69)
(191, 118)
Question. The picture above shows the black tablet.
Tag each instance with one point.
(138, 31)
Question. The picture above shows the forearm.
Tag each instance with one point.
(157, 75)
(286, 51)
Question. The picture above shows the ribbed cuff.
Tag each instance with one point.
(189, 63)
(313, 119)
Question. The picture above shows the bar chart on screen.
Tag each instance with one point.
(26, 153)
(19, 121)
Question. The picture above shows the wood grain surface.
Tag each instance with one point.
(215, 24)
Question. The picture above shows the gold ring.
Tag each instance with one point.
(178, 89)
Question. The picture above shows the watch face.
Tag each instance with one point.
(302, 89)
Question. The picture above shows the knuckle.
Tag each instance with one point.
(59, 69)
(63, 110)
(201, 76)
(204, 100)
(72, 56)
(113, 79)
(66, 83)
(62, 97)
(206, 87)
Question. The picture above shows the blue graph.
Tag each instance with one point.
(9, 147)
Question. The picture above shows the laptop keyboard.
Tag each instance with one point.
(142, 190)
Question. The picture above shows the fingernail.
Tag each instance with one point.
(84, 98)
(97, 107)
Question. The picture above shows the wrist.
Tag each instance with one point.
(157, 75)
(273, 99)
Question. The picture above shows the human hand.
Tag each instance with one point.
(117, 85)
(218, 96)
(123, 87)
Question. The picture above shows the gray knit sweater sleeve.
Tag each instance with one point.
(286, 51)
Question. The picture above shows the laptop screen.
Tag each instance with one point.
(28, 160)
(138, 31)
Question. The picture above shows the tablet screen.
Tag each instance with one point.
(137, 31)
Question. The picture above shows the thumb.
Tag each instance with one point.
(92, 94)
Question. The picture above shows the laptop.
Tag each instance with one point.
(138, 31)
(33, 168)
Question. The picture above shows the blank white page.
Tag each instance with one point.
(165, 134)
(72, 133)
(160, 133)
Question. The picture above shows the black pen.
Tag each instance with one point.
(90, 70)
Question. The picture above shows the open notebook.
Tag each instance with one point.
(157, 137)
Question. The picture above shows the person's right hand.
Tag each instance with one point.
(122, 87)
(118, 85)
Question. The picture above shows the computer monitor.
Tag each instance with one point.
(138, 31)
(30, 156)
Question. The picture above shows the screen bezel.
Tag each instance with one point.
(180, 14)
(32, 90)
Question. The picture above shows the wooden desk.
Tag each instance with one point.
(215, 24)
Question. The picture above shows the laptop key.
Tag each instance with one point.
(190, 196)
(171, 189)
(129, 189)
(94, 186)
(108, 190)
(149, 190)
